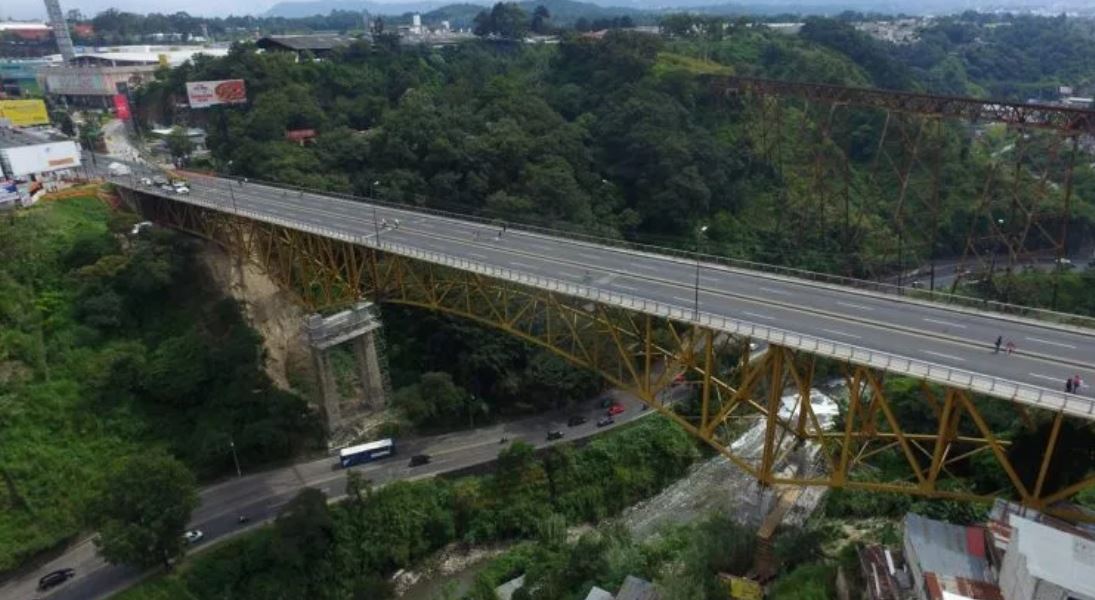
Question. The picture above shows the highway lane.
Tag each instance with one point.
(261, 495)
(939, 334)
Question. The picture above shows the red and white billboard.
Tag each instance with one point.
(211, 93)
(121, 107)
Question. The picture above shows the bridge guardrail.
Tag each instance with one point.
(989, 385)
(878, 287)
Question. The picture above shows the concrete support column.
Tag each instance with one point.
(368, 365)
(328, 388)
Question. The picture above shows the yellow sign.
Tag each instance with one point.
(163, 61)
(23, 113)
(745, 589)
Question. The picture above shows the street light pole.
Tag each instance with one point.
(699, 236)
(235, 459)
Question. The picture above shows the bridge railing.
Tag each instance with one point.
(992, 386)
(877, 287)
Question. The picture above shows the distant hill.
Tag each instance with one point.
(563, 12)
(308, 8)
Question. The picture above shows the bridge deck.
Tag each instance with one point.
(931, 341)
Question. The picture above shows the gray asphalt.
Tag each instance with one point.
(260, 496)
(938, 334)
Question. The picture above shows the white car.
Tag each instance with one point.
(193, 536)
(146, 181)
(181, 188)
(140, 226)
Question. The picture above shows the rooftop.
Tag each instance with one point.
(1056, 556)
(947, 549)
(304, 42)
(21, 26)
(637, 589)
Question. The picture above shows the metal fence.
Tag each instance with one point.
(983, 384)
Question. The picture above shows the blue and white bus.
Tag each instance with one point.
(363, 453)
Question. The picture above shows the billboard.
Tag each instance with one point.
(40, 158)
(211, 93)
(23, 113)
(121, 107)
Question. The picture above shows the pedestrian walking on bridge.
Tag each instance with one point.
(1068, 385)
(999, 340)
(1010, 346)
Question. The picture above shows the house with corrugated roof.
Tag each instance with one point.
(953, 554)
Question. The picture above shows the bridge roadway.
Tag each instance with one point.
(938, 342)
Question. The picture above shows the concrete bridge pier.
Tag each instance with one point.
(358, 326)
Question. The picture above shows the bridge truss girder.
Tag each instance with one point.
(648, 356)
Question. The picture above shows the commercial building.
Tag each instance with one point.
(93, 78)
(319, 45)
(1043, 562)
(19, 77)
(30, 162)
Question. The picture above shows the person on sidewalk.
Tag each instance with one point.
(999, 340)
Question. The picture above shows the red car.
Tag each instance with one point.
(615, 409)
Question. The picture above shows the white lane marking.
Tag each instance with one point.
(947, 323)
(852, 305)
(688, 300)
(843, 333)
(477, 255)
(1040, 376)
(644, 267)
(758, 315)
(940, 354)
(520, 264)
(1041, 341)
(775, 291)
(626, 287)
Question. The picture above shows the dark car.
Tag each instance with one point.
(555, 435)
(420, 459)
(575, 420)
(606, 401)
(54, 579)
(605, 421)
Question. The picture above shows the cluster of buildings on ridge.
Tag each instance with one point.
(1018, 554)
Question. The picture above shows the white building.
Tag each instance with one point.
(1046, 563)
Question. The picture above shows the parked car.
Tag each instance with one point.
(146, 182)
(139, 227)
(420, 459)
(615, 409)
(193, 536)
(55, 578)
(181, 188)
(575, 420)
(159, 180)
(606, 401)
(605, 421)
(554, 435)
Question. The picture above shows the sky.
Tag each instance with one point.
(36, 9)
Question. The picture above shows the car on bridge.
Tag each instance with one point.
(420, 459)
(575, 421)
(605, 421)
(554, 435)
(615, 409)
(193, 536)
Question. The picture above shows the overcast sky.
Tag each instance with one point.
(36, 9)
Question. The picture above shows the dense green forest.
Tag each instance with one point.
(628, 136)
(350, 549)
(110, 345)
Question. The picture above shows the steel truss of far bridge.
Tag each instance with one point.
(873, 445)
